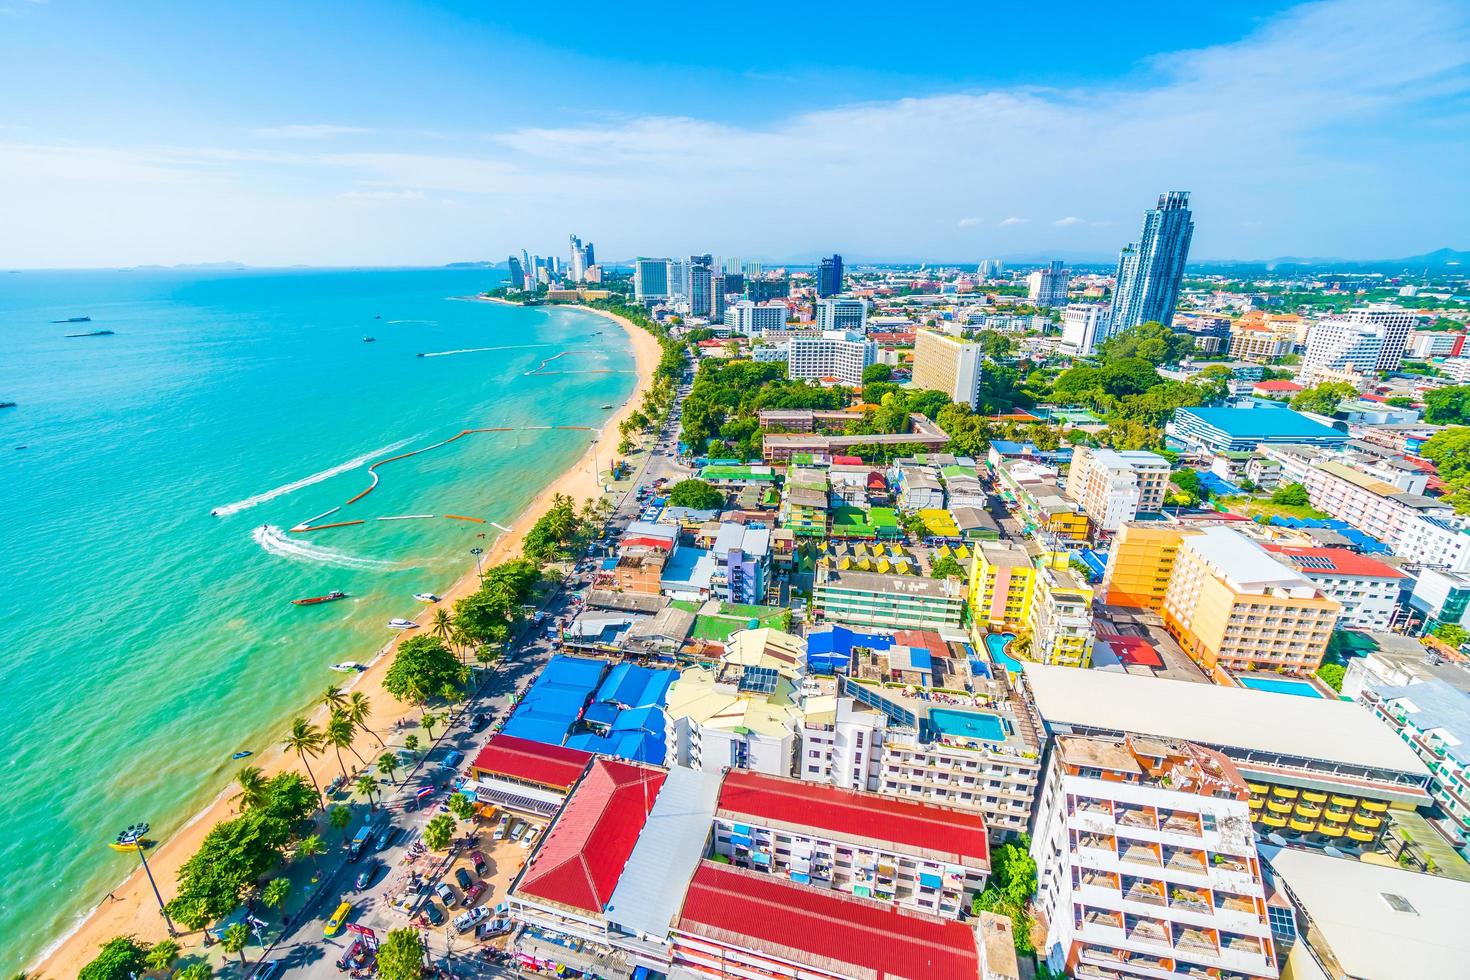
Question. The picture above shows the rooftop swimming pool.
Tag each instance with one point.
(996, 644)
(979, 726)
(1280, 685)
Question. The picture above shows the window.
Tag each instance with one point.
(1399, 903)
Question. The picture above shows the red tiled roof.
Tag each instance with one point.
(1334, 561)
(903, 824)
(1134, 651)
(924, 640)
(847, 460)
(535, 762)
(579, 862)
(1277, 385)
(825, 929)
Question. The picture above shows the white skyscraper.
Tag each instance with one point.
(1394, 325)
(835, 355)
(1084, 326)
(650, 280)
(842, 314)
(754, 319)
(1340, 344)
(1048, 286)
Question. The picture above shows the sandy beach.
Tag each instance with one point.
(130, 909)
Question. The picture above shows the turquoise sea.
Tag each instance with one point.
(142, 640)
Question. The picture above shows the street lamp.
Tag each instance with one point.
(477, 552)
(133, 837)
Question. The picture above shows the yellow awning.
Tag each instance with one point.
(1271, 821)
(1314, 796)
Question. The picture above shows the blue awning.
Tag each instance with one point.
(740, 840)
(927, 880)
(740, 828)
(798, 876)
(760, 858)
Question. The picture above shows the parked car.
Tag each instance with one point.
(492, 928)
(464, 878)
(482, 866)
(517, 827)
(501, 828)
(446, 894)
(268, 970)
(464, 923)
(530, 838)
(473, 893)
(434, 913)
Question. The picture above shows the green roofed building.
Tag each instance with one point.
(726, 475)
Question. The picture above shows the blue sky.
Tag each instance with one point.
(416, 133)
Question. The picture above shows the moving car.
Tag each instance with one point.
(446, 894)
(268, 970)
(366, 875)
(452, 760)
(481, 720)
(334, 924)
(385, 836)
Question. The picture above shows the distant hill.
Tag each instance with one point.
(1439, 260)
(474, 265)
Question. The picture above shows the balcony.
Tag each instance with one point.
(1100, 879)
(1148, 931)
(1098, 842)
(1187, 824)
(1197, 941)
(1182, 860)
(1147, 892)
(1141, 854)
(1136, 817)
(1190, 899)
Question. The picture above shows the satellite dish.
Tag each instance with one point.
(1276, 839)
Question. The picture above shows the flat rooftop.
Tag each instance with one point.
(1230, 717)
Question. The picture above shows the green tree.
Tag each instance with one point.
(235, 939)
(1290, 495)
(429, 721)
(332, 699)
(1324, 398)
(1448, 406)
(1152, 341)
(401, 955)
(305, 740)
(367, 786)
(696, 495)
(421, 668)
(339, 818)
(411, 743)
(438, 831)
(197, 970)
(460, 806)
(1449, 450)
(121, 959)
(162, 956)
(946, 567)
(1188, 480)
(1011, 886)
(340, 734)
(358, 709)
(252, 783)
(1452, 633)
(274, 896)
(311, 847)
(1332, 675)
(388, 765)
(877, 372)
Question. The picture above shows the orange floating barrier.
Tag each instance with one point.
(299, 529)
(461, 517)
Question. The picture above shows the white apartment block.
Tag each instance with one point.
(842, 314)
(1435, 343)
(1113, 486)
(1457, 368)
(1394, 323)
(1432, 718)
(1084, 326)
(925, 857)
(947, 364)
(1048, 286)
(1339, 344)
(1147, 865)
(997, 780)
(835, 355)
(1367, 590)
(755, 319)
(841, 744)
(1436, 542)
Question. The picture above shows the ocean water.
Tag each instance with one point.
(142, 640)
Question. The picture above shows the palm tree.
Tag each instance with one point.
(442, 625)
(305, 740)
(310, 847)
(162, 956)
(275, 894)
(358, 709)
(429, 721)
(332, 698)
(195, 971)
(235, 939)
(411, 742)
(388, 765)
(252, 784)
(367, 786)
(340, 818)
(338, 735)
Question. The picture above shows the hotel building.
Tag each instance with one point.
(1235, 607)
(947, 364)
(1114, 486)
(887, 601)
(1433, 718)
(836, 356)
(1146, 863)
(1061, 613)
(1002, 585)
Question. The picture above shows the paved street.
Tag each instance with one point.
(304, 951)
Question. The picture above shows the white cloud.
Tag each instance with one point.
(1294, 98)
(1008, 222)
(307, 131)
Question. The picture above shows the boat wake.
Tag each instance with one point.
(275, 541)
(434, 323)
(327, 474)
(477, 350)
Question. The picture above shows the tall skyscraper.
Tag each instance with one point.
(718, 289)
(990, 268)
(760, 289)
(1048, 286)
(829, 276)
(701, 285)
(650, 280)
(678, 277)
(581, 260)
(1150, 269)
(948, 364)
(1394, 324)
(515, 276)
(842, 314)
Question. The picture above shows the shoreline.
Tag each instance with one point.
(130, 909)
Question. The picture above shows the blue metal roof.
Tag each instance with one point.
(1239, 423)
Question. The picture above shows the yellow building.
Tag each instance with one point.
(1233, 606)
(948, 364)
(1002, 582)
(1061, 613)
(1140, 564)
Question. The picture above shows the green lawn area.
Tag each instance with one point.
(851, 522)
(1264, 507)
(733, 617)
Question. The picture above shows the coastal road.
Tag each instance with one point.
(304, 952)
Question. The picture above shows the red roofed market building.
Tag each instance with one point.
(744, 924)
(1367, 589)
(920, 855)
(531, 777)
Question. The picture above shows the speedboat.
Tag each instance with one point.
(313, 600)
(426, 597)
(242, 755)
(402, 624)
(348, 667)
(369, 340)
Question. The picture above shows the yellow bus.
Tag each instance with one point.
(334, 924)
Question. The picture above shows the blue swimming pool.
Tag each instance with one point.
(1280, 685)
(977, 725)
(996, 644)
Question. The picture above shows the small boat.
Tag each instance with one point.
(74, 319)
(7, 404)
(348, 667)
(370, 340)
(426, 597)
(606, 407)
(242, 755)
(94, 333)
(418, 355)
(313, 600)
(402, 624)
